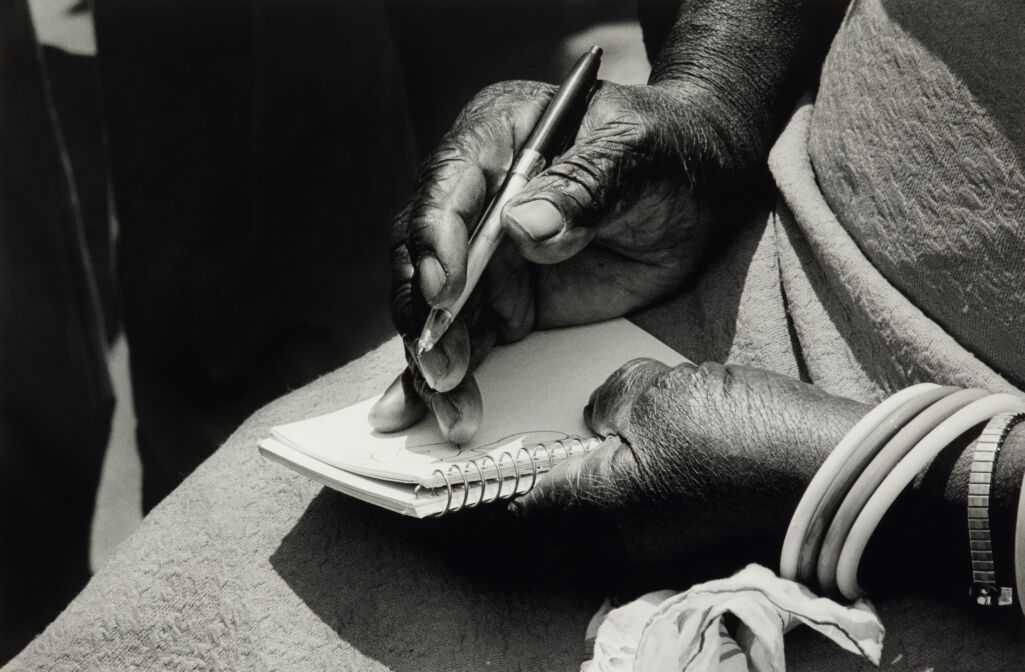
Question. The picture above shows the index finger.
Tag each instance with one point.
(608, 409)
(455, 182)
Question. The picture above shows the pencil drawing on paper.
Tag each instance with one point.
(444, 451)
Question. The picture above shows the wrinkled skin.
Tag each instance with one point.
(700, 459)
(613, 225)
(702, 463)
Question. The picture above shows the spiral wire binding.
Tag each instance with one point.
(550, 450)
(498, 468)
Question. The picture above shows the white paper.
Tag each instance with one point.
(534, 392)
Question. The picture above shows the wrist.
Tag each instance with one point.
(744, 63)
(923, 542)
(731, 142)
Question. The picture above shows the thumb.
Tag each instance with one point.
(580, 483)
(555, 215)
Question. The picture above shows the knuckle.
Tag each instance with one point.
(423, 218)
(583, 188)
(695, 376)
(431, 231)
(641, 368)
(619, 113)
(398, 226)
(674, 387)
(454, 150)
(496, 104)
(712, 372)
(402, 309)
(509, 92)
(401, 266)
(584, 170)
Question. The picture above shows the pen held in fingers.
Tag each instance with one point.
(548, 134)
(437, 324)
(446, 364)
(482, 246)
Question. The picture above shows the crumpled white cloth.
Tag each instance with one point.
(669, 631)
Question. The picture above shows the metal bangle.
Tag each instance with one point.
(984, 589)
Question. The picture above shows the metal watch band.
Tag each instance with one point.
(984, 589)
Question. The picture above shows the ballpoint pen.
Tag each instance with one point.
(548, 134)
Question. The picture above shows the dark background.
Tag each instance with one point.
(209, 190)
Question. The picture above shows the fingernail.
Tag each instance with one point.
(432, 278)
(540, 220)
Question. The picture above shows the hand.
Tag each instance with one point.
(616, 223)
(704, 463)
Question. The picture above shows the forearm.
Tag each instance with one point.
(735, 448)
(922, 544)
(744, 63)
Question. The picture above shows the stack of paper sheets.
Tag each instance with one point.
(534, 392)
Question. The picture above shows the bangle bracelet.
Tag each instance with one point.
(986, 448)
(813, 493)
(1019, 547)
(892, 453)
(811, 546)
(905, 471)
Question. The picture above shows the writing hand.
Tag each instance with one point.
(614, 224)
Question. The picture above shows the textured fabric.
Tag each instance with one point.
(919, 148)
(858, 335)
(248, 566)
(251, 566)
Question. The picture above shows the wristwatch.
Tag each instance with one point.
(984, 590)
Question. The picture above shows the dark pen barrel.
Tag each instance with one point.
(549, 132)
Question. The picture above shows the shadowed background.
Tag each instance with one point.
(223, 175)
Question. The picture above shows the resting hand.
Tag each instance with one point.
(614, 224)
(704, 463)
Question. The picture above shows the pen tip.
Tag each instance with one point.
(596, 50)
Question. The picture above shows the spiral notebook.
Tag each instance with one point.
(534, 392)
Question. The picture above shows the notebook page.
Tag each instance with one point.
(401, 498)
(534, 392)
(398, 497)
